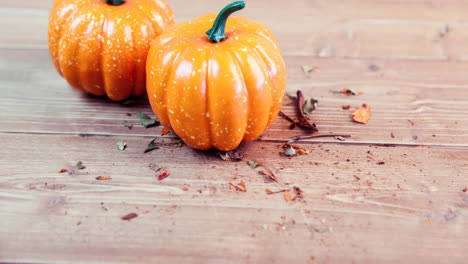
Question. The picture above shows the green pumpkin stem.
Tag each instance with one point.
(216, 33)
(115, 2)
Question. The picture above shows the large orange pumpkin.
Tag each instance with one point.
(100, 46)
(218, 90)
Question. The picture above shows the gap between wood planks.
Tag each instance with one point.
(313, 141)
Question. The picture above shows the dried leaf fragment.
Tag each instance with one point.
(129, 216)
(103, 178)
(146, 121)
(308, 69)
(151, 146)
(289, 152)
(348, 91)
(252, 164)
(163, 174)
(233, 155)
(63, 170)
(239, 186)
(346, 107)
(287, 196)
(309, 106)
(79, 165)
(362, 114)
(121, 145)
(127, 124)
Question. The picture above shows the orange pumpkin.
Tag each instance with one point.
(100, 46)
(220, 90)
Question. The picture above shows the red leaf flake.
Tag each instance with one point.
(129, 216)
(346, 107)
(163, 174)
(63, 171)
(362, 114)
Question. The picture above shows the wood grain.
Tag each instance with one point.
(397, 92)
(209, 221)
(314, 28)
(392, 193)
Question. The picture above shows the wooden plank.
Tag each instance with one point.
(354, 211)
(357, 29)
(430, 94)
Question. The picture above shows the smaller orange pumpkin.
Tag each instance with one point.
(100, 46)
(219, 90)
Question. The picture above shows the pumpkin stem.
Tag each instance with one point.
(216, 33)
(115, 2)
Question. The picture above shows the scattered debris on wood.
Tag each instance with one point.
(373, 67)
(309, 106)
(362, 114)
(308, 70)
(348, 91)
(127, 124)
(163, 174)
(302, 121)
(121, 145)
(239, 186)
(146, 121)
(346, 107)
(79, 165)
(154, 167)
(380, 163)
(103, 178)
(293, 150)
(156, 144)
(287, 196)
(298, 192)
(411, 122)
(289, 152)
(129, 216)
(234, 155)
(252, 164)
(270, 192)
(63, 170)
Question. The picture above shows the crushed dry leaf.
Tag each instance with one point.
(79, 165)
(63, 170)
(163, 174)
(127, 124)
(121, 145)
(362, 114)
(287, 197)
(146, 121)
(233, 155)
(348, 91)
(129, 216)
(308, 69)
(239, 186)
(252, 164)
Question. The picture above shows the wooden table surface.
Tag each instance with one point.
(410, 58)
